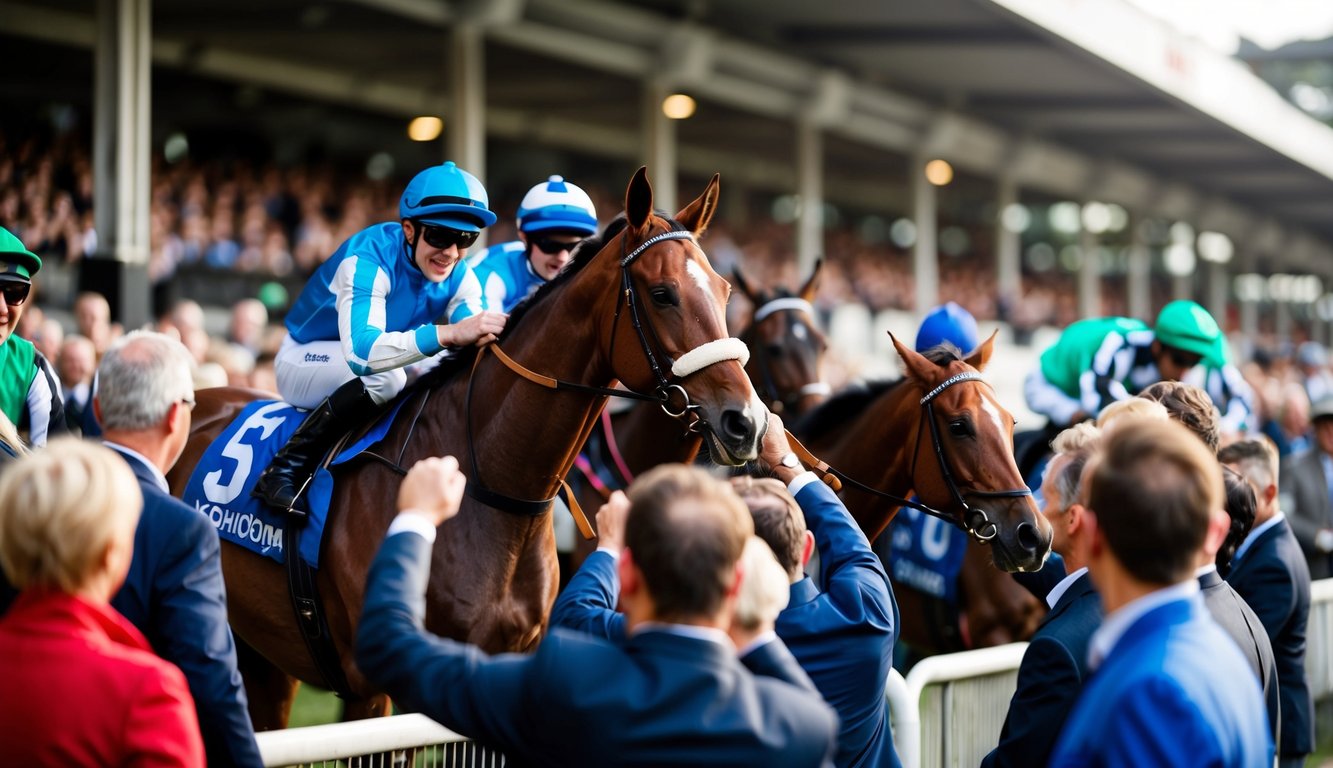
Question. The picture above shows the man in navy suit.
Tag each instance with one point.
(1169, 688)
(1270, 573)
(842, 635)
(673, 693)
(1055, 664)
(174, 592)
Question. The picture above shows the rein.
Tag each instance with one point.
(975, 521)
(775, 401)
(667, 394)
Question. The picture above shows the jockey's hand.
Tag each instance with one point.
(480, 328)
(433, 489)
(611, 522)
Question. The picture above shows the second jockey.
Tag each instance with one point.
(391, 295)
(554, 217)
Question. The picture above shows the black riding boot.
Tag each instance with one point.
(348, 406)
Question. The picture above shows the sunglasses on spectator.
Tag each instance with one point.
(443, 237)
(15, 293)
(551, 246)
(1182, 359)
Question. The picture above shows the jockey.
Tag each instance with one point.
(948, 322)
(1227, 388)
(30, 393)
(554, 217)
(1100, 360)
(391, 295)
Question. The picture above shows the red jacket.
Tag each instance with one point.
(79, 685)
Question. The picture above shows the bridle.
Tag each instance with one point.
(975, 521)
(773, 397)
(668, 393)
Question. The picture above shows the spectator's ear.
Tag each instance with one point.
(807, 548)
(631, 581)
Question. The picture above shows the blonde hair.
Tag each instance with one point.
(60, 509)
(1136, 407)
(10, 435)
(765, 588)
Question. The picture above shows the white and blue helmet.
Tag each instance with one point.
(449, 196)
(557, 205)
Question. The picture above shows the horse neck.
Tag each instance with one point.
(645, 437)
(883, 445)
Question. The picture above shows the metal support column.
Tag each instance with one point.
(466, 127)
(1219, 291)
(1009, 274)
(1089, 276)
(1138, 281)
(810, 188)
(659, 146)
(121, 148)
(925, 261)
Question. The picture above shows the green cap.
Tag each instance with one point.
(16, 261)
(1188, 326)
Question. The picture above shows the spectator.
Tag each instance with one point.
(1290, 428)
(30, 394)
(1309, 482)
(82, 686)
(92, 317)
(1170, 687)
(76, 365)
(1270, 573)
(174, 592)
(1241, 508)
(673, 693)
(49, 337)
(1313, 361)
(1131, 409)
(1055, 664)
(1190, 406)
(249, 320)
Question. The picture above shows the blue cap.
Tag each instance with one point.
(951, 323)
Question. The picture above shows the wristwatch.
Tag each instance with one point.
(790, 461)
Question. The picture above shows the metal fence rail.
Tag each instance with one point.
(402, 740)
(1319, 640)
(961, 700)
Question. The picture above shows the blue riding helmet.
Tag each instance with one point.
(951, 323)
(449, 196)
(555, 204)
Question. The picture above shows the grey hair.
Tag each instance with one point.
(140, 378)
(1078, 443)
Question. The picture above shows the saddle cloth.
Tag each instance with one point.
(219, 488)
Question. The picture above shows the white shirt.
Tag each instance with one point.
(1119, 621)
(1059, 590)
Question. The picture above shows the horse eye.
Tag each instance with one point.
(775, 350)
(960, 428)
(665, 296)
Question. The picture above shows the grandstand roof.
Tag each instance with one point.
(1085, 98)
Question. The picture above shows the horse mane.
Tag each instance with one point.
(847, 405)
(583, 254)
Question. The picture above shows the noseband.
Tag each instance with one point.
(773, 396)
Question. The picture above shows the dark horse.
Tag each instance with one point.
(786, 366)
(962, 465)
(641, 305)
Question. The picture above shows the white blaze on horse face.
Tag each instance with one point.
(700, 277)
(992, 408)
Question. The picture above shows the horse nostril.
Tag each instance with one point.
(1027, 537)
(735, 425)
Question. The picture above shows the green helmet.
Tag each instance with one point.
(16, 261)
(1187, 326)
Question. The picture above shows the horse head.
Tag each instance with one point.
(787, 349)
(964, 460)
(668, 332)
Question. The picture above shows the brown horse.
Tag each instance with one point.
(640, 305)
(962, 465)
(786, 367)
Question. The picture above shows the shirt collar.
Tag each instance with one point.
(1255, 533)
(156, 473)
(1204, 570)
(1118, 622)
(710, 634)
(1059, 590)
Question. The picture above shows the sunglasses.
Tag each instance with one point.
(551, 246)
(1183, 359)
(443, 237)
(15, 293)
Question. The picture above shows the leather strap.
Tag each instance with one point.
(576, 510)
(816, 464)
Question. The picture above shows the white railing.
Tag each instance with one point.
(381, 742)
(1319, 639)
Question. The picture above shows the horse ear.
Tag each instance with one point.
(699, 213)
(739, 280)
(918, 367)
(639, 199)
(981, 355)
(808, 290)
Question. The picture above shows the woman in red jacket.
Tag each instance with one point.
(79, 685)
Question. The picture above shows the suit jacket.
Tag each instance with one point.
(83, 688)
(1173, 691)
(1306, 504)
(1050, 678)
(660, 698)
(1273, 579)
(174, 594)
(1236, 618)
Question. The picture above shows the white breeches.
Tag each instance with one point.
(308, 373)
